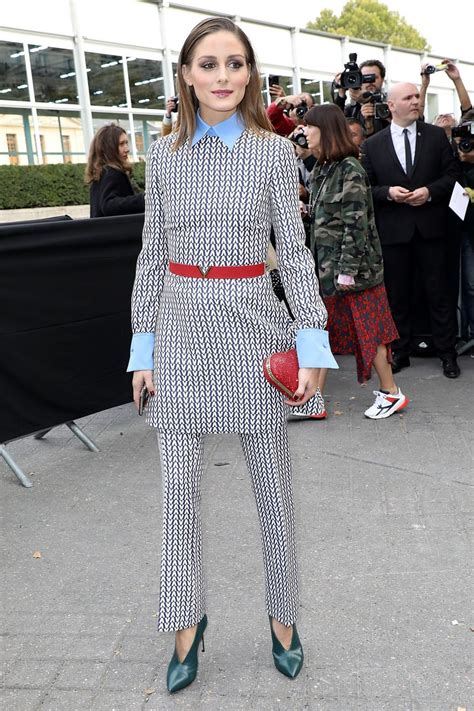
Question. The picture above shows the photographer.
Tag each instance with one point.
(365, 97)
(446, 122)
(286, 112)
(465, 146)
(305, 162)
(358, 131)
(171, 110)
(276, 91)
(457, 245)
(453, 73)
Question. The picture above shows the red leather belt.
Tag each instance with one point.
(192, 270)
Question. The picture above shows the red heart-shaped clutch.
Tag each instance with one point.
(281, 370)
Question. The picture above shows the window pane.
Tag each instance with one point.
(54, 74)
(16, 143)
(432, 106)
(13, 82)
(99, 120)
(105, 76)
(12, 148)
(311, 86)
(327, 92)
(146, 132)
(61, 137)
(285, 82)
(147, 89)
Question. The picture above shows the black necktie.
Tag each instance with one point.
(408, 158)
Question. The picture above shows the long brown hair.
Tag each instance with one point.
(336, 141)
(104, 151)
(251, 108)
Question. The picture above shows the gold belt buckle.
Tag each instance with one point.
(204, 272)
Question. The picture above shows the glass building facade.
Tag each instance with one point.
(43, 127)
(119, 88)
(57, 89)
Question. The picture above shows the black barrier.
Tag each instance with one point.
(64, 320)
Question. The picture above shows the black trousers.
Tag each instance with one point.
(400, 262)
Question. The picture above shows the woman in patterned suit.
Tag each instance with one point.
(204, 317)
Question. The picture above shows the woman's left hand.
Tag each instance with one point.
(307, 386)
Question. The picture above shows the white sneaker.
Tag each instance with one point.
(386, 404)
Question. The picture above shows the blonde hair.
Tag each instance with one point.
(251, 108)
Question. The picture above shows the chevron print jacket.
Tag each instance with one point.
(208, 205)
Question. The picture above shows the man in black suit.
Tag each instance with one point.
(412, 170)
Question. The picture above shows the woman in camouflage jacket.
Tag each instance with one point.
(343, 231)
(345, 241)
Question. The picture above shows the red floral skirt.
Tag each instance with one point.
(359, 322)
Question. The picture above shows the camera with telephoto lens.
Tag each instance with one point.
(175, 100)
(381, 110)
(299, 139)
(352, 77)
(465, 133)
(300, 110)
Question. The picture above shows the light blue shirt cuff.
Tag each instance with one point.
(141, 352)
(312, 347)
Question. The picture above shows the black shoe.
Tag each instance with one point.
(451, 368)
(399, 362)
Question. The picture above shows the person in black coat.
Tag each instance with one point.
(108, 173)
(412, 171)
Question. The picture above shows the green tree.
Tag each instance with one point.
(370, 20)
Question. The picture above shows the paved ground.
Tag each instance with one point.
(77, 212)
(383, 532)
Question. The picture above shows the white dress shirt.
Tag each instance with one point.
(398, 139)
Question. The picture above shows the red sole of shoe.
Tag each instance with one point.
(405, 403)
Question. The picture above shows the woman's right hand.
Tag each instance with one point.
(141, 378)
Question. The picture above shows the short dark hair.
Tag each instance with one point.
(336, 141)
(306, 93)
(374, 63)
(352, 120)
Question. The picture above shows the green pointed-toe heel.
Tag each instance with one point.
(287, 661)
(182, 674)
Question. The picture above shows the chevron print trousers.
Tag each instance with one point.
(182, 595)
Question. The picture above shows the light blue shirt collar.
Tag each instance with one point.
(229, 131)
